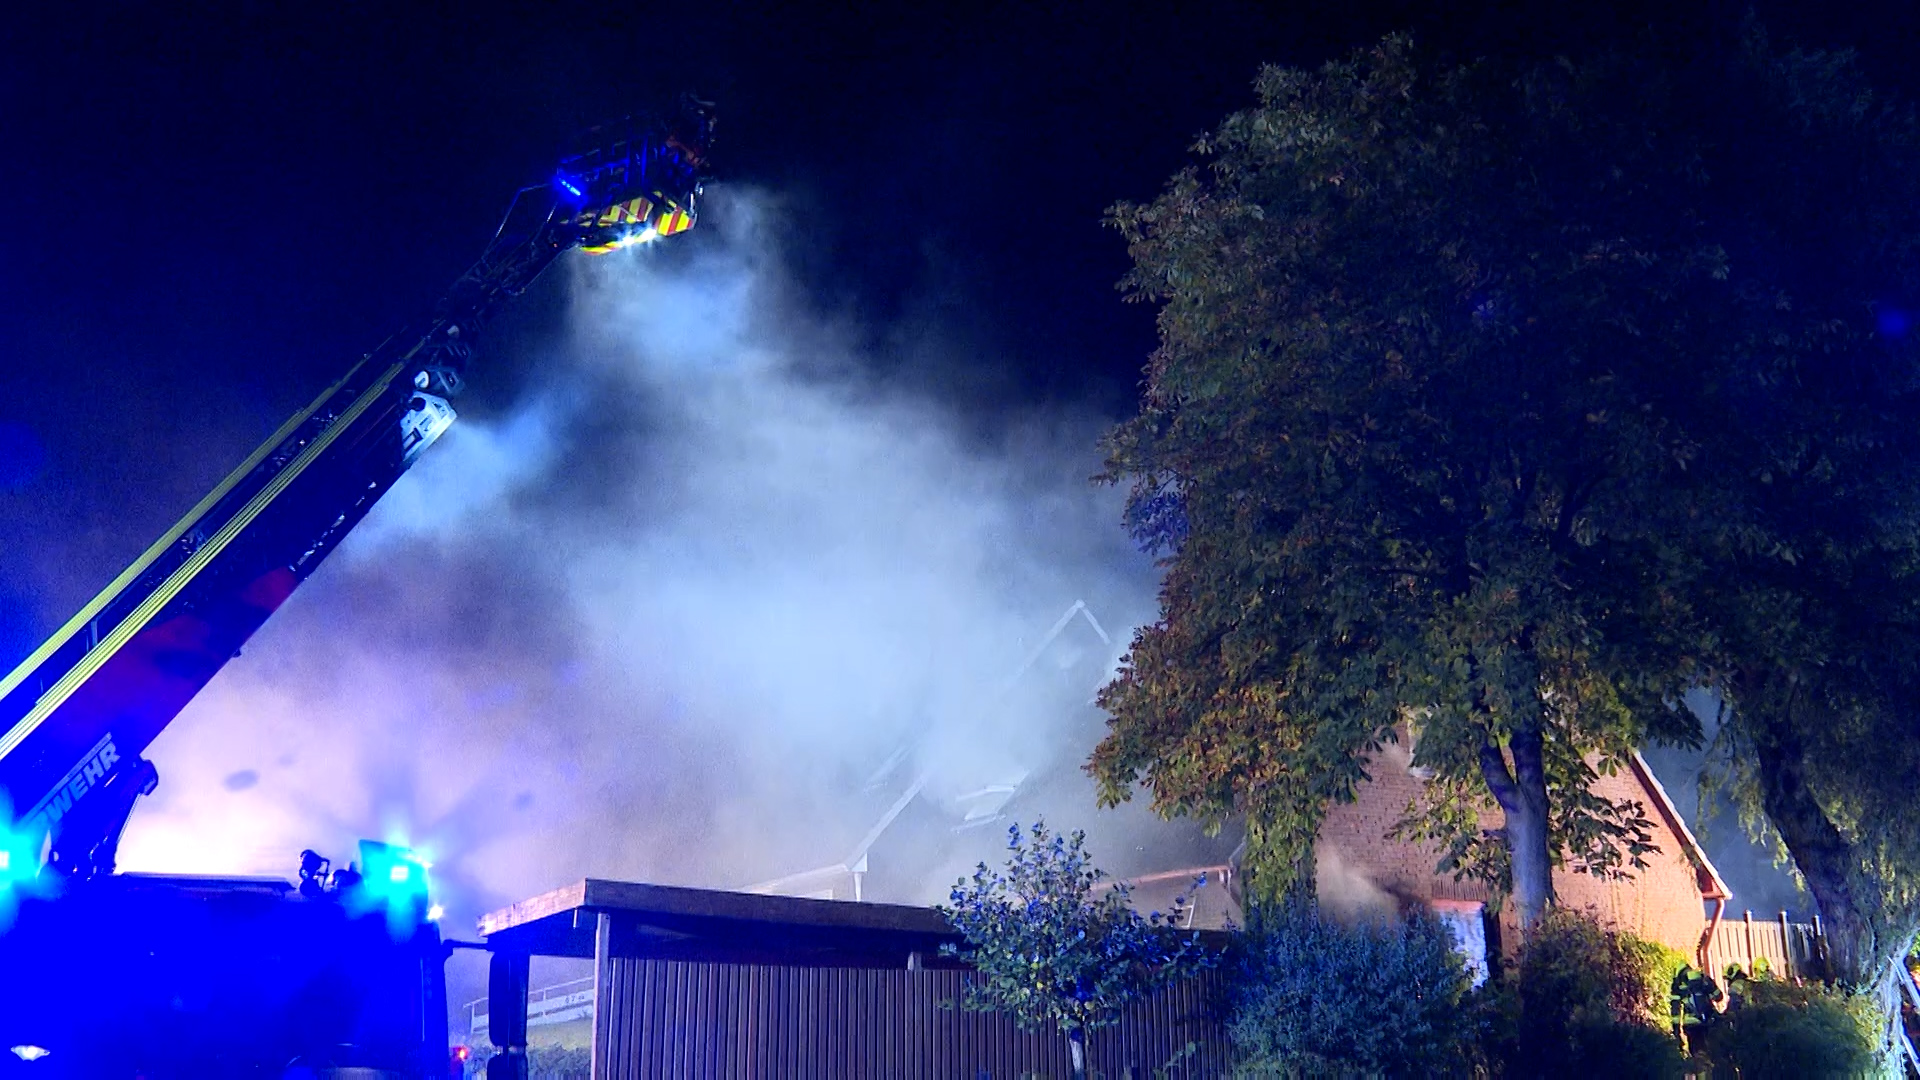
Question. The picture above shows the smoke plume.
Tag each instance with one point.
(671, 617)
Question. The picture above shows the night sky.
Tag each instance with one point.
(212, 209)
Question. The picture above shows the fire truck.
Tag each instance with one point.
(106, 974)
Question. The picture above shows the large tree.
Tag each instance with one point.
(1815, 499)
(1501, 405)
(1401, 439)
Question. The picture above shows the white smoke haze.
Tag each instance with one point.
(1346, 891)
(666, 619)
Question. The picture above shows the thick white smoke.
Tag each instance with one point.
(668, 618)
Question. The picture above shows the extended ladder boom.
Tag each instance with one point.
(78, 712)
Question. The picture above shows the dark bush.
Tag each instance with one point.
(1309, 997)
(1580, 1002)
(543, 1063)
(1626, 1049)
(1602, 1047)
(1773, 1028)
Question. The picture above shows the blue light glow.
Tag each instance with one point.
(394, 878)
(19, 865)
(19, 857)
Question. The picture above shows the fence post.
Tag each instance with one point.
(1790, 963)
(1749, 936)
(1820, 947)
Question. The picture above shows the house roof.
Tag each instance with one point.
(1712, 886)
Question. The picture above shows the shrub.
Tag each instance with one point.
(1493, 1011)
(1308, 997)
(543, 1063)
(1613, 1048)
(1584, 1003)
(1773, 1028)
(1050, 949)
(1661, 964)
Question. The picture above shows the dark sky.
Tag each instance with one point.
(211, 209)
(213, 212)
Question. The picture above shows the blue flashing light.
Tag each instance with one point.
(394, 879)
(569, 186)
(19, 865)
(19, 854)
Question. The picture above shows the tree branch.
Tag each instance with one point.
(1493, 766)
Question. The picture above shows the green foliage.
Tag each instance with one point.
(1814, 497)
(1413, 413)
(1659, 965)
(1620, 1049)
(1050, 948)
(1312, 998)
(1573, 971)
(1503, 405)
(543, 1063)
(1774, 1028)
(1582, 1003)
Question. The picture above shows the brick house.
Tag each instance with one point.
(1670, 901)
(920, 841)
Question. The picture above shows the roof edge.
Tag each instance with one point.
(1695, 853)
(534, 908)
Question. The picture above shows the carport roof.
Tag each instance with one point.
(671, 922)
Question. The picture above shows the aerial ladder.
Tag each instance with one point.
(77, 714)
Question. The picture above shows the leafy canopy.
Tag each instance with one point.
(1050, 946)
(1422, 389)
(1809, 496)
(1513, 399)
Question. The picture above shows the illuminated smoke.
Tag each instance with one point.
(1346, 891)
(671, 616)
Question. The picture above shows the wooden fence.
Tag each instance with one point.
(1909, 1019)
(668, 1018)
(1791, 950)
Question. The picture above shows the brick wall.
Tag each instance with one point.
(1662, 902)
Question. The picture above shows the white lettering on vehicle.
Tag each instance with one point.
(82, 778)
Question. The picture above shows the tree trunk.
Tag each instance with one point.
(1077, 1045)
(1861, 945)
(1522, 795)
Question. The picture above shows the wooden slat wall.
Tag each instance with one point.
(1792, 950)
(669, 1018)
